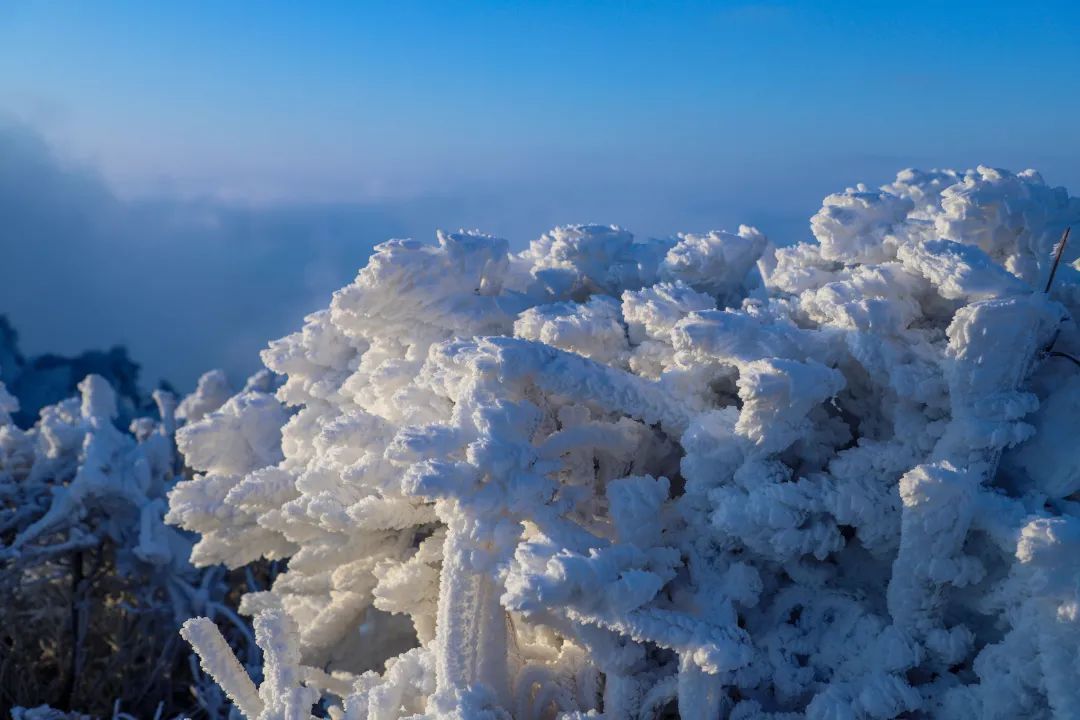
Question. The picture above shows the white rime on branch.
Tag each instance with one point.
(704, 475)
(92, 579)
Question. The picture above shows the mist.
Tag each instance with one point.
(189, 284)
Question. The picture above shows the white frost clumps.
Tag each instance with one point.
(83, 541)
(75, 481)
(612, 478)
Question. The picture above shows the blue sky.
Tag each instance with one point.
(510, 117)
(346, 100)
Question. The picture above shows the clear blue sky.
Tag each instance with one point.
(510, 117)
(338, 100)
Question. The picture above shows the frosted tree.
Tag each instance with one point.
(702, 475)
(92, 581)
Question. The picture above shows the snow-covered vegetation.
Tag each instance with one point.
(93, 584)
(703, 476)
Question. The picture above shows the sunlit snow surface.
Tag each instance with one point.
(610, 478)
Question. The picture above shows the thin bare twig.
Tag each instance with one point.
(1057, 258)
(1067, 356)
(76, 629)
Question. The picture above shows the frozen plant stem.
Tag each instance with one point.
(1057, 258)
(76, 629)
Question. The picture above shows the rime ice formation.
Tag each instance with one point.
(77, 491)
(75, 481)
(615, 478)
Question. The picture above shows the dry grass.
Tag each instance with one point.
(128, 647)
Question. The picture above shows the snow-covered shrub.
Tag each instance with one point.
(93, 583)
(615, 478)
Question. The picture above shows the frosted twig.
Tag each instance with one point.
(1060, 250)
